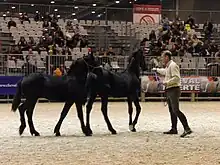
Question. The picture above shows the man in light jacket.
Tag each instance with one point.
(172, 84)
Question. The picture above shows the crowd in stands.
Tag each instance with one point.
(178, 36)
(53, 40)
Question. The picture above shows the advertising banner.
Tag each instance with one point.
(146, 14)
(200, 84)
(8, 84)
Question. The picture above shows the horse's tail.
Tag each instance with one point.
(17, 98)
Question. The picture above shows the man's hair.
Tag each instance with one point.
(167, 53)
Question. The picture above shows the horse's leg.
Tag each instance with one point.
(104, 109)
(80, 116)
(138, 111)
(88, 111)
(63, 114)
(30, 109)
(22, 109)
(130, 111)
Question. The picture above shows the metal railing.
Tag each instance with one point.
(199, 72)
(15, 64)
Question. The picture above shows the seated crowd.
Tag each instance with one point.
(54, 41)
(180, 38)
(177, 36)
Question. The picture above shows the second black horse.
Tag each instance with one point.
(106, 83)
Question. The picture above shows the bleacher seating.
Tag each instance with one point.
(117, 33)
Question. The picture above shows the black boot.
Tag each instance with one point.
(186, 132)
(171, 132)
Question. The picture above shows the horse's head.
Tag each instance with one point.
(137, 60)
(82, 66)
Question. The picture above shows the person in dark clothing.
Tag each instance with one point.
(208, 28)
(28, 68)
(191, 22)
(152, 36)
(11, 23)
(24, 17)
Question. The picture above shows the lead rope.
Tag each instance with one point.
(160, 85)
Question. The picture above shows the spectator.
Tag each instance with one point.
(58, 40)
(22, 44)
(69, 27)
(11, 23)
(57, 72)
(191, 22)
(207, 28)
(4, 16)
(197, 44)
(37, 17)
(84, 43)
(110, 52)
(46, 24)
(31, 42)
(77, 29)
(28, 67)
(152, 36)
(47, 17)
(54, 23)
(24, 17)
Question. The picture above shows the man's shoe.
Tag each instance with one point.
(186, 132)
(171, 132)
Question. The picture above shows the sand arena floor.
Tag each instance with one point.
(148, 146)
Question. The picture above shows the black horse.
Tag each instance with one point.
(69, 88)
(106, 83)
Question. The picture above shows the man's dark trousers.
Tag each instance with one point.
(173, 95)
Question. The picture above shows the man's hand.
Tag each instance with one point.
(154, 69)
(165, 84)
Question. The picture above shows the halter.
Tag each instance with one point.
(88, 65)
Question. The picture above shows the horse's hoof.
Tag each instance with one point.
(88, 134)
(21, 130)
(35, 133)
(132, 128)
(114, 132)
(57, 134)
(90, 131)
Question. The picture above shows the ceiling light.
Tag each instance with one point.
(93, 12)
(13, 7)
(76, 7)
(32, 5)
(56, 10)
(52, 2)
(58, 16)
(117, 1)
(73, 13)
(93, 4)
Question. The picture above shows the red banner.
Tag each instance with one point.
(147, 9)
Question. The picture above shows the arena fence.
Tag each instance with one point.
(199, 74)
